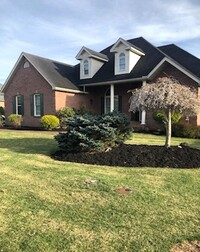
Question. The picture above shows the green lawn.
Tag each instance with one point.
(46, 205)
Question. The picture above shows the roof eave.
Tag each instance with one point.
(175, 64)
(114, 82)
(69, 90)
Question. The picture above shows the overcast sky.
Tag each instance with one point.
(57, 29)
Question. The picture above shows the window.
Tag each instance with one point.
(26, 64)
(137, 116)
(18, 104)
(105, 106)
(85, 67)
(37, 105)
(122, 65)
(107, 103)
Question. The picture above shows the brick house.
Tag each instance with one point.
(38, 86)
(1, 97)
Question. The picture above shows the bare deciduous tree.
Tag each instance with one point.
(168, 95)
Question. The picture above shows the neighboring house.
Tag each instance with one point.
(1, 97)
(38, 86)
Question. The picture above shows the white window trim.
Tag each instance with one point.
(122, 55)
(34, 105)
(26, 64)
(86, 62)
(17, 104)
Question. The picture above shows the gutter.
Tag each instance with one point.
(114, 82)
(69, 90)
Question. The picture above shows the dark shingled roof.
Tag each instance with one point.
(187, 60)
(143, 67)
(56, 73)
(97, 54)
(62, 75)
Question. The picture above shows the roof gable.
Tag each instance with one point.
(91, 53)
(182, 57)
(128, 46)
(58, 75)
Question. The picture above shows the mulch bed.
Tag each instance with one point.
(138, 156)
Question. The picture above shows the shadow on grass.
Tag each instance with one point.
(29, 145)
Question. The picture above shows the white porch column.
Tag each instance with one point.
(143, 115)
(112, 94)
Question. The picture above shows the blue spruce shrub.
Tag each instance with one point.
(88, 133)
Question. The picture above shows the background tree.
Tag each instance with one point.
(168, 95)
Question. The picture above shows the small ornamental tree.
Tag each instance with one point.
(168, 95)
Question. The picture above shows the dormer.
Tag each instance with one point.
(90, 62)
(126, 56)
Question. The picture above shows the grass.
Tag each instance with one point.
(46, 205)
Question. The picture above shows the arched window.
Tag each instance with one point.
(26, 64)
(86, 67)
(122, 64)
(117, 102)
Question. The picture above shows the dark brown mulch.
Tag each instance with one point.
(138, 156)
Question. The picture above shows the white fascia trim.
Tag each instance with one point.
(69, 90)
(117, 42)
(132, 49)
(173, 63)
(90, 55)
(12, 71)
(15, 66)
(96, 57)
(128, 47)
(113, 82)
(79, 53)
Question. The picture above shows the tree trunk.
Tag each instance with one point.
(168, 128)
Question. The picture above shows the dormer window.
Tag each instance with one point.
(126, 56)
(90, 62)
(122, 62)
(85, 67)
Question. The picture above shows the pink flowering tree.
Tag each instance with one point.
(166, 94)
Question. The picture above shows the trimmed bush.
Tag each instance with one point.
(186, 130)
(88, 133)
(15, 120)
(49, 122)
(63, 114)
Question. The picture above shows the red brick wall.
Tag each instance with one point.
(73, 100)
(27, 81)
(198, 116)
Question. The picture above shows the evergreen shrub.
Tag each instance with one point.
(49, 122)
(63, 114)
(186, 130)
(88, 133)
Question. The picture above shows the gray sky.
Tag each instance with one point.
(57, 29)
